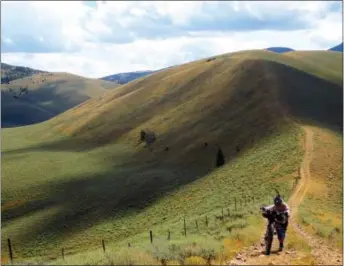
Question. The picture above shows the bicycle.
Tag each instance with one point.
(272, 217)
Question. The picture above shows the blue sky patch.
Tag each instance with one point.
(91, 3)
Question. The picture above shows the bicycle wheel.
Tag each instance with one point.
(268, 238)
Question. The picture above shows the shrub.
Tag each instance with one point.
(147, 136)
(220, 158)
(142, 135)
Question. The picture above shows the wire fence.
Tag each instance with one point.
(242, 207)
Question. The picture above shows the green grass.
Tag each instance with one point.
(35, 180)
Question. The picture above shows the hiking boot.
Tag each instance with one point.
(280, 247)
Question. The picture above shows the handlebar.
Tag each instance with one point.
(272, 214)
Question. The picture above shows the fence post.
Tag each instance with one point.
(228, 212)
(103, 244)
(235, 203)
(222, 214)
(169, 235)
(206, 220)
(196, 225)
(184, 227)
(151, 236)
(10, 249)
(62, 251)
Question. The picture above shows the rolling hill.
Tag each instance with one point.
(337, 48)
(39, 97)
(10, 72)
(123, 78)
(83, 176)
(152, 94)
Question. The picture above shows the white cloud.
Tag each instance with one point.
(128, 36)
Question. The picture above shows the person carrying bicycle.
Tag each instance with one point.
(282, 215)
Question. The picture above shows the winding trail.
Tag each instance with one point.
(323, 254)
(305, 175)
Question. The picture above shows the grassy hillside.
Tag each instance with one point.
(62, 196)
(47, 95)
(325, 219)
(329, 64)
(87, 177)
(197, 98)
(10, 72)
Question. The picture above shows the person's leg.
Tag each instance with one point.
(266, 231)
(281, 236)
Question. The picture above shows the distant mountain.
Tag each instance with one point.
(280, 50)
(10, 72)
(338, 48)
(123, 78)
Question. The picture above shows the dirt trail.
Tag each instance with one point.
(322, 254)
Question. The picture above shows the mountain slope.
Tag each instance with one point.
(10, 72)
(123, 78)
(39, 97)
(337, 48)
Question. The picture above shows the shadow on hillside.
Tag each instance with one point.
(310, 99)
(44, 103)
(85, 201)
(126, 189)
(63, 145)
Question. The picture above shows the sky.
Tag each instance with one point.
(99, 38)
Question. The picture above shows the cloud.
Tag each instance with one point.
(42, 26)
(156, 20)
(104, 37)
